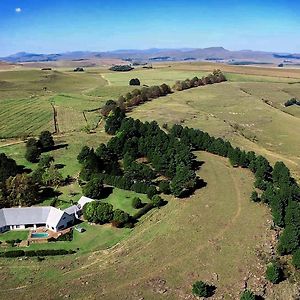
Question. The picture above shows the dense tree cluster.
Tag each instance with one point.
(216, 77)
(101, 213)
(165, 153)
(121, 68)
(47, 173)
(19, 190)
(35, 147)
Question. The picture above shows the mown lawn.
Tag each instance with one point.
(14, 235)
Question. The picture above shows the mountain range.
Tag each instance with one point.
(157, 54)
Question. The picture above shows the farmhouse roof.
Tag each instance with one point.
(72, 209)
(84, 200)
(30, 215)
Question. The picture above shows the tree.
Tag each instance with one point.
(134, 81)
(202, 289)
(83, 154)
(52, 177)
(157, 201)
(184, 180)
(114, 120)
(120, 218)
(90, 211)
(45, 161)
(164, 187)
(32, 153)
(93, 189)
(46, 140)
(21, 190)
(8, 167)
(104, 213)
(137, 203)
(289, 240)
(247, 295)
(274, 273)
(296, 259)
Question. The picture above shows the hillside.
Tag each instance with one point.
(217, 234)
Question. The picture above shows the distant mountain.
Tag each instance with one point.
(155, 54)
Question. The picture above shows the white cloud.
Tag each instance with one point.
(18, 10)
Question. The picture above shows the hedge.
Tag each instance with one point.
(142, 211)
(42, 252)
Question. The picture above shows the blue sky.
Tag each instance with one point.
(56, 26)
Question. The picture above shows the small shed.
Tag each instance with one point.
(79, 229)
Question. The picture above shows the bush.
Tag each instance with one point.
(68, 237)
(157, 201)
(274, 273)
(254, 197)
(137, 203)
(296, 259)
(247, 295)
(202, 289)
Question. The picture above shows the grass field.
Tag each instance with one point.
(214, 235)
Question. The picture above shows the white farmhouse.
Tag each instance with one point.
(41, 216)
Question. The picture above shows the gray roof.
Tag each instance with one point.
(30, 215)
(72, 209)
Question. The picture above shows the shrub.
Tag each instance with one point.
(247, 295)
(254, 197)
(202, 289)
(137, 203)
(157, 201)
(68, 237)
(274, 273)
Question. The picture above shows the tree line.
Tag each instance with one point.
(215, 77)
(140, 96)
(276, 186)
